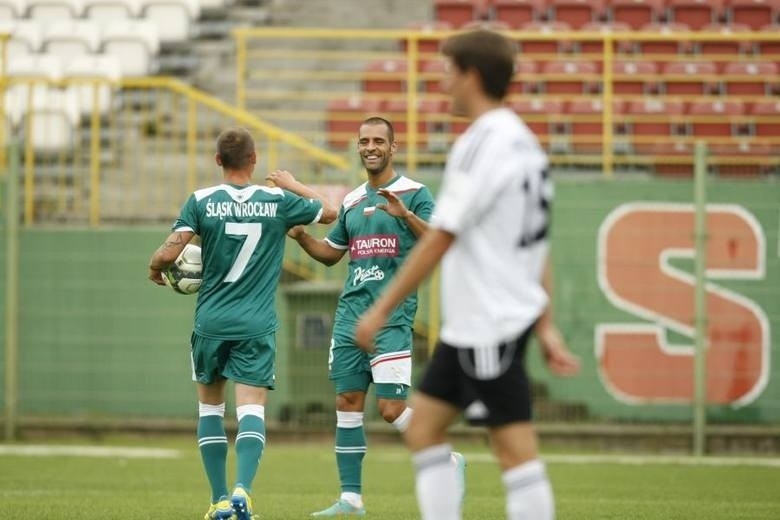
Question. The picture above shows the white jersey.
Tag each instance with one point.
(495, 199)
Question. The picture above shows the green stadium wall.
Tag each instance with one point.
(97, 340)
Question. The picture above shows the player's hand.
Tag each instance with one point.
(559, 358)
(296, 232)
(281, 178)
(156, 276)
(394, 206)
(367, 328)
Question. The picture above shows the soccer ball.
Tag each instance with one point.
(186, 273)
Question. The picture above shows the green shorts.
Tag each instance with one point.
(248, 361)
(389, 368)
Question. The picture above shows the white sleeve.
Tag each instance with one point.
(471, 185)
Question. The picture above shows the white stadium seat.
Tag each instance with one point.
(175, 19)
(10, 9)
(68, 37)
(52, 113)
(136, 43)
(54, 9)
(107, 10)
(102, 66)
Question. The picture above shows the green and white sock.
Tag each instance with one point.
(250, 442)
(350, 450)
(213, 445)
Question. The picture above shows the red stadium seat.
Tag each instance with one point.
(459, 12)
(751, 78)
(385, 75)
(539, 114)
(571, 77)
(525, 80)
(576, 13)
(549, 46)
(517, 13)
(427, 45)
(726, 45)
(431, 76)
(427, 122)
(596, 47)
(696, 14)
(770, 48)
(716, 118)
(344, 117)
(655, 121)
(765, 115)
(635, 77)
(586, 124)
(636, 13)
(690, 78)
(756, 14)
(674, 45)
(734, 158)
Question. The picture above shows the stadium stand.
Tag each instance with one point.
(427, 125)
(635, 77)
(653, 120)
(570, 77)
(71, 37)
(460, 12)
(756, 14)
(10, 9)
(696, 14)
(541, 115)
(717, 118)
(174, 18)
(345, 114)
(676, 43)
(136, 43)
(107, 10)
(54, 9)
(636, 13)
(516, 13)
(577, 13)
(595, 47)
(385, 75)
(690, 78)
(92, 67)
(753, 78)
(765, 120)
(726, 45)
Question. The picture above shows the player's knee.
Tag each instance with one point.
(391, 410)
(349, 402)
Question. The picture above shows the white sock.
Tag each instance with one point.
(402, 421)
(437, 493)
(356, 499)
(528, 492)
(211, 409)
(250, 409)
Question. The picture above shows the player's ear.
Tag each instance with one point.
(394, 147)
(253, 158)
(218, 159)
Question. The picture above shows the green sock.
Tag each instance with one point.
(213, 445)
(350, 450)
(250, 442)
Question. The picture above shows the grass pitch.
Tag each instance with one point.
(296, 479)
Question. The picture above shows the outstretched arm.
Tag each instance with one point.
(320, 250)
(167, 253)
(418, 265)
(556, 354)
(286, 181)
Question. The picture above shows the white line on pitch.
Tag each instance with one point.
(40, 450)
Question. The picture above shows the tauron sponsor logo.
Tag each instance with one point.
(373, 245)
(367, 275)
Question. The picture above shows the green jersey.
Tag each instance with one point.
(243, 231)
(378, 244)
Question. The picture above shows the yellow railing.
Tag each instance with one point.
(132, 150)
(322, 82)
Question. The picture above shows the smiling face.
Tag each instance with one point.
(376, 148)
